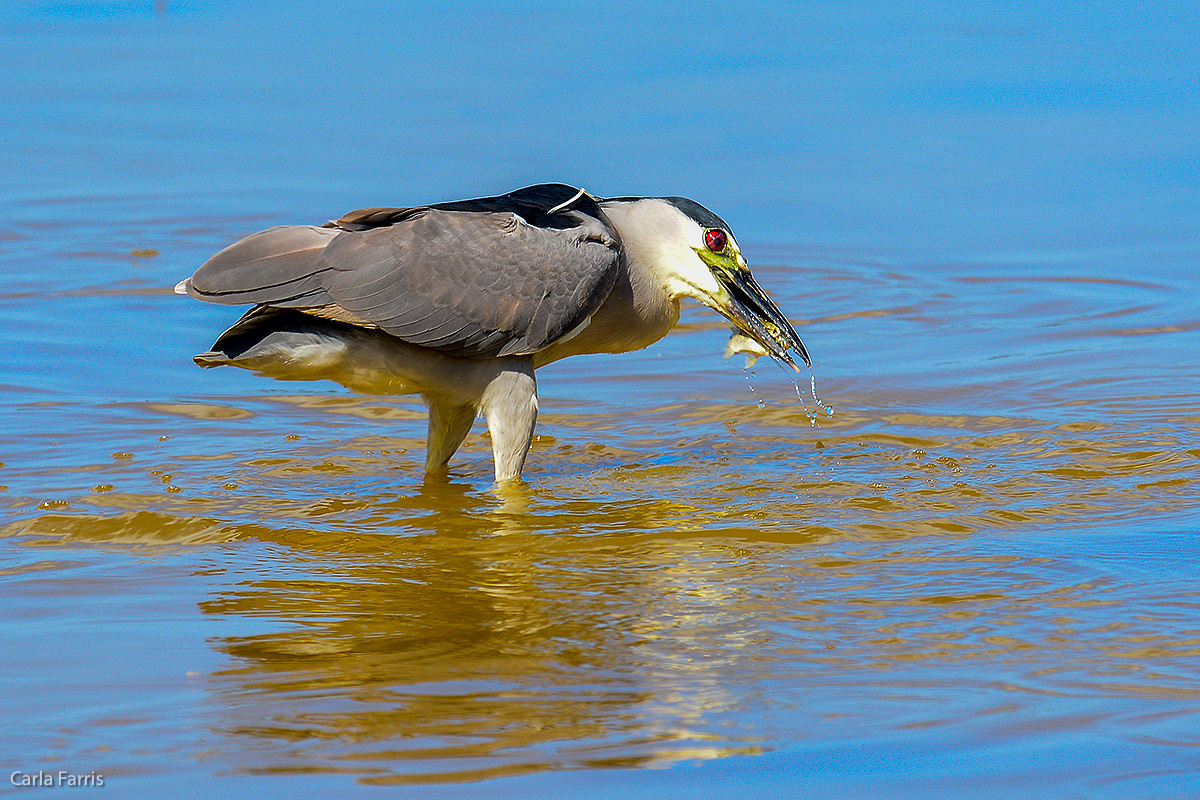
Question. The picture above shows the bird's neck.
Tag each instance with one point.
(653, 244)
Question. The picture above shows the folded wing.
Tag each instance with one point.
(497, 276)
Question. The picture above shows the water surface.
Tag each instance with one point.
(977, 577)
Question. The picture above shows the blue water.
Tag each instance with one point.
(976, 578)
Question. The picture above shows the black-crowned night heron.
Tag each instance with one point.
(461, 302)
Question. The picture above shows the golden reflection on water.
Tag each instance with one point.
(634, 603)
(710, 467)
(484, 656)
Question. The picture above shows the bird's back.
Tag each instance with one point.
(480, 278)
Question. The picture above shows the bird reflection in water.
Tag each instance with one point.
(482, 653)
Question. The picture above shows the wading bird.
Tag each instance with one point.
(461, 302)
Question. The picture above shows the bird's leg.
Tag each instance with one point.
(511, 407)
(449, 424)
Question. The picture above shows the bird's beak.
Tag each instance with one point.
(748, 307)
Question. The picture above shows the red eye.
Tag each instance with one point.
(714, 239)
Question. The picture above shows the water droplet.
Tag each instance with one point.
(811, 413)
(750, 374)
(817, 400)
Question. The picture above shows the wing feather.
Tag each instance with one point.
(277, 266)
(477, 278)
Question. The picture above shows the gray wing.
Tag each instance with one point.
(279, 266)
(469, 280)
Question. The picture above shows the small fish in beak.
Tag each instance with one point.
(759, 320)
(741, 343)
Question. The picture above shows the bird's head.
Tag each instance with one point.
(694, 254)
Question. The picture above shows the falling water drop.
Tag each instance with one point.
(817, 400)
(811, 413)
(750, 374)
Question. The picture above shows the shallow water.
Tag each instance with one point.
(977, 576)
